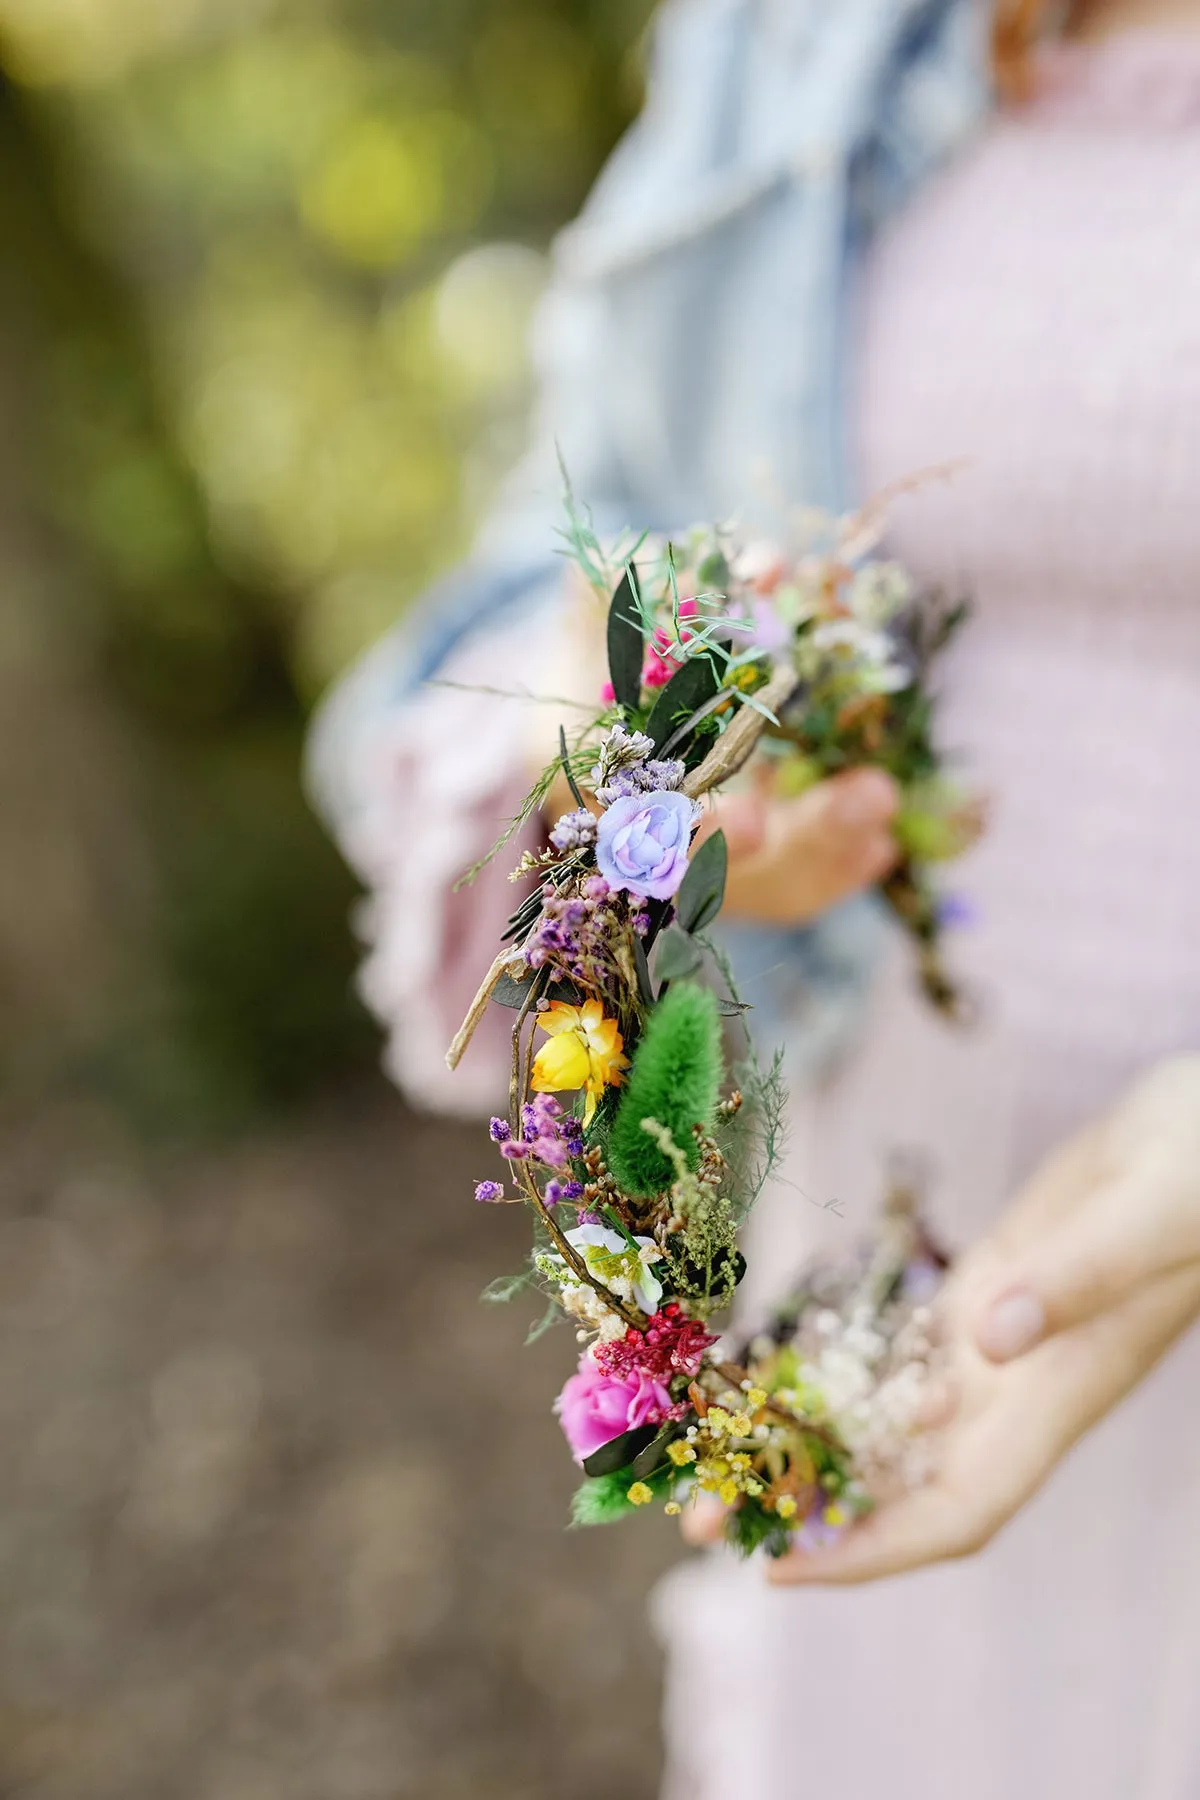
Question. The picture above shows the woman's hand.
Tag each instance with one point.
(1091, 1276)
(791, 859)
(788, 859)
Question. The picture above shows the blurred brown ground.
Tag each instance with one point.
(283, 1504)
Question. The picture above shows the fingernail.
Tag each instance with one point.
(1012, 1325)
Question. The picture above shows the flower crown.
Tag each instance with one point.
(638, 1146)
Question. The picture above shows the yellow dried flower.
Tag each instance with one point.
(739, 1461)
(835, 1515)
(680, 1453)
(585, 1051)
(785, 1506)
(728, 1492)
(741, 1424)
(672, 1507)
(717, 1420)
(639, 1494)
(756, 1397)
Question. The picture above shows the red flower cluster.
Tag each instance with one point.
(672, 1344)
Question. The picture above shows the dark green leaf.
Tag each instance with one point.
(566, 763)
(678, 955)
(514, 994)
(508, 992)
(749, 1528)
(714, 571)
(654, 1455)
(645, 989)
(619, 1452)
(691, 687)
(703, 888)
(626, 641)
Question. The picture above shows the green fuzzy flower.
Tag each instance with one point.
(605, 1498)
(676, 1081)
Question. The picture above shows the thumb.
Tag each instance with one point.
(1087, 1264)
(743, 819)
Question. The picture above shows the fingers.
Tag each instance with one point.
(814, 850)
(1114, 1211)
(1118, 1241)
(1016, 1425)
(925, 1527)
(860, 799)
(846, 824)
(703, 1521)
(743, 819)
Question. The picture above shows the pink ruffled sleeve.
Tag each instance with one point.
(434, 781)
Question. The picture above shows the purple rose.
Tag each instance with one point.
(594, 1408)
(642, 843)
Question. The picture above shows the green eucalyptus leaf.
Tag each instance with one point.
(506, 1287)
(702, 890)
(678, 955)
(549, 1318)
(626, 641)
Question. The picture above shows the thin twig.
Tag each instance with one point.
(517, 693)
(479, 1005)
(734, 745)
(632, 1315)
(734, 1374)
(518, 1084)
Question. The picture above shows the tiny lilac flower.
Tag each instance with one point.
(499, 1131)
(954, 911)
(489, 1190)
(574, 830)
(642, 843)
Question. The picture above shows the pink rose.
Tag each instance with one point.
(594, 1408)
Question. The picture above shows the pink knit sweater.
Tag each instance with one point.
(1037, 313)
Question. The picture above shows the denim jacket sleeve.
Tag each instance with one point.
(690, 347)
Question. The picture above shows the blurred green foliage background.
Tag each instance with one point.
(266, 276)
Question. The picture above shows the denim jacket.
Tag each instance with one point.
(691, 347)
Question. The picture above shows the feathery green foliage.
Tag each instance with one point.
(603, 1498)
(749, 1528)
(676, 1080)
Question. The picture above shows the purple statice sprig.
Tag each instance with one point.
(575, 935)
(625, 765)
(549, 1137)
(574, 831)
